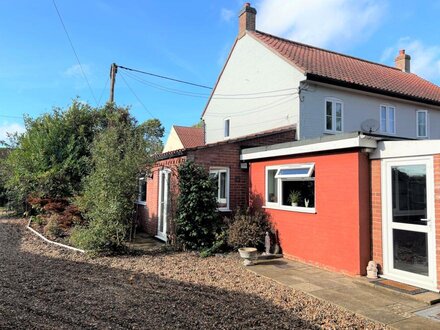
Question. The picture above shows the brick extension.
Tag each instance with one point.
(221, 154)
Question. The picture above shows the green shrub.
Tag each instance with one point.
(38, 220)
(52, 230)
(248, 228)
(197, 220)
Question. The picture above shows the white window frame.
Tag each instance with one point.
(139, 201)
(333, 100)
(292, 177)
(227, 120)
(218, 170)
(426, 124)
(387, 127)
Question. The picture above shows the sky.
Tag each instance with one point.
(187, 40)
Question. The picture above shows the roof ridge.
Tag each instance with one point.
(329, 51)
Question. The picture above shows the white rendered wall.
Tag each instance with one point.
(359, 106)
(252, 69)
(173, 142)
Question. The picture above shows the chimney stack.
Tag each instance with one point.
(246, 19)
(402, 61)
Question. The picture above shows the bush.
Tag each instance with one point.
(52, 230)
(248, 229)
(197, 219)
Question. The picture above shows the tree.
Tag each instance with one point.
(119, 154)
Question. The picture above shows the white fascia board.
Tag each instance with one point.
(354, 142)
(413, 148)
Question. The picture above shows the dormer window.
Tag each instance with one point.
(333, 115)
(387, 119)
(227, 127)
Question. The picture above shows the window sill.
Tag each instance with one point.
(223, 209)
(141, 203)
(291, 208)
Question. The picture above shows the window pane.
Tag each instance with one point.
(339, 124)
(329, 116)
(421, 123)
(305, 192)
(223, 185)
(227, 127)
(272, 187)
(338, 110)
(383, 118)
(390, 120)
(142, 190)
(294, 171)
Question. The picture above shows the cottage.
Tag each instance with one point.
(343, 153)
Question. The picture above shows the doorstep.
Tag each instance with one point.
(353, 294)
(424, 296)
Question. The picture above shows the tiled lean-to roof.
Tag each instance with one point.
(331, 67)
(190, 136)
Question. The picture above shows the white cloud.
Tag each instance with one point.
(11, 128)
(227, 14)
(324, 23)
(425, 59)
(74, 71)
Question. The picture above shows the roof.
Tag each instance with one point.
(190, 136)
(327, 66)
(182, 152)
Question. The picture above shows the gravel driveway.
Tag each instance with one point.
(42, 286)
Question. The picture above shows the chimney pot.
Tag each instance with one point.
(403, 61)
(246, 19)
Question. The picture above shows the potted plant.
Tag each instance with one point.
(294, 197)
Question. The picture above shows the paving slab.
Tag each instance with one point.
(398, 310)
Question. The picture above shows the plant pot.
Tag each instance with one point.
(249, 254)
(294, 204)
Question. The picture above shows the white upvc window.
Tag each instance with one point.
(221, 175)
(422, 123)
(142, 191)
(334, 115)
(387, 119)
(291, 187)
(227, 127)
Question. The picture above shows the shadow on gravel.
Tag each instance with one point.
(42, 292)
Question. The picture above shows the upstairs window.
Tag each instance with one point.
(291, 187)
(387, 119)
(333, 115)
(227, 127)
(221, 177)
(422, 123)
(142, 191)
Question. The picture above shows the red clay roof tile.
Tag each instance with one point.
(346, 69)
(190, 136)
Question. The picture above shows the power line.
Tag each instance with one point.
(164, 77)
(135, 95)
(241, 96)
(102, 93)
(74, 51)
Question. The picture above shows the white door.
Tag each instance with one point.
(409, 221)
(163, 207)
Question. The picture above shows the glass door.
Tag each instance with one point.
(410, 223)
(163, 207)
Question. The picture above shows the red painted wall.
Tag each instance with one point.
(338, 235)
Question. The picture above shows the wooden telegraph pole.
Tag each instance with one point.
(113, 71)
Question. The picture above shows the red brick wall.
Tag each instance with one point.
(376, 212)
(217, 155)
(337, 236)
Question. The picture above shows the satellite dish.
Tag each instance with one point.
(369, 126)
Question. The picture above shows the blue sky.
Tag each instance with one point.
(188, 40)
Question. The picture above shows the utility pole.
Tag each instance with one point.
(113, 71)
